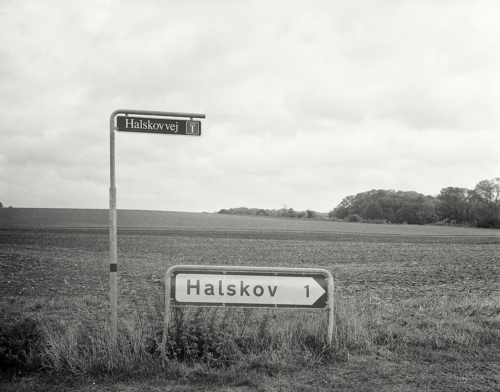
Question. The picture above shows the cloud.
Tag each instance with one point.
(304, 104)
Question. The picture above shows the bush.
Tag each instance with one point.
(198, 338)
(311, 214)
(354, 218)
(20, 343)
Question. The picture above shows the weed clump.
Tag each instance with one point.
(257, 337)
(202, 337)
(21, 340)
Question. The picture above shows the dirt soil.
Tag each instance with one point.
(76, 262)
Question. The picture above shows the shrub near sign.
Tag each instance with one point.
(158, 125)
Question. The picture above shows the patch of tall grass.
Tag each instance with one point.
(436, 323)
(232, 342)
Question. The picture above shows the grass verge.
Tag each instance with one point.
(218, 346)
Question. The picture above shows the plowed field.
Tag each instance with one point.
(48, 262)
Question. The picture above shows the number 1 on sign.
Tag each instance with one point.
(307, 291)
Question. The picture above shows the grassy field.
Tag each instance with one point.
(128, 219)
(417, 307)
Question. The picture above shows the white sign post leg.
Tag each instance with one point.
(113, 258)
(331, 319)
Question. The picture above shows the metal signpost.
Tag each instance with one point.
(195, 285)
(146, 122)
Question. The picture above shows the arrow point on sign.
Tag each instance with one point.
(316, 291)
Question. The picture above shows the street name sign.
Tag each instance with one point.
(158, 125)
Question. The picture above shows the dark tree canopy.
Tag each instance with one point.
(478, 207)
(487, 194)
(455, 203)
(389, 205)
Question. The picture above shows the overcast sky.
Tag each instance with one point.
(306, 102)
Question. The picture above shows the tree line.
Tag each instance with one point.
(277, 213)
(479, 207)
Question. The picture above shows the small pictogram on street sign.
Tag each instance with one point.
(192, 128)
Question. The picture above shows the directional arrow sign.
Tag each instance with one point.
(260, 287)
